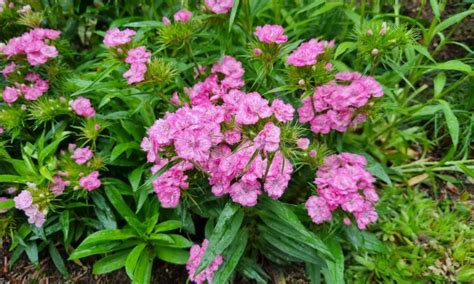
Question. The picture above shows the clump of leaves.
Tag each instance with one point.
(428, 240)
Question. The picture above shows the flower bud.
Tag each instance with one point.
(370, 32)
(375, 52)
(166, 21)
(384, 28)
(257, 51)
(301, 82)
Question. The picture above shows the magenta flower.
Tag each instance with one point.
(91, 181)
(196, 254)
(82, 155)
(220, 6)
(10, 95)
(307, 53)
(115, 37)
(182, 16)
(82, 106)
(283, 112)
(166, 21)
(269, 138)
(8, 69)
(271, 34)
(278, 176)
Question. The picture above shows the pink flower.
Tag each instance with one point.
(307, 53)
(82, 106)
(232, 136)
(115, 37)
(196, 254)
(1, 130)
(136, 73)
(252, 107)
(183, 16)
(278, 176)
(318, 209)
(91, 181)
(23, 200)
(232, 71)
(35, 216)
(257, 52)
(175, 99)
(313, 153)
(8, 69)
(137, 55)
(10, 95)
(166, 21)
(220, 6)
(193, 144)
(302, 143)
(244, 193)
(58, 185)
(269, 138)
(283, 112)
(168, 185)
(271, 34)
(82, 155)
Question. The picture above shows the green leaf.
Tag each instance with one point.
(424, 51)
(439, 82)
(31, 250)
(455, 65)
(233, 13)
(314, 273)
(334, 273)
(122, 147)
(435, 7)
(282, 219)
(132, 259)
(110, 263)
(343, 47)
(51, 148)
(58, 260)
(228, 224)
(142, 273)
(168, 226)
(172, 255)
(7, 204)
(110, 235)
(452, 20)
(451, 121)
(93, 248)
(13, 179)
(117, 201)
(135, 177)
(65, 221)
(250, 269)
(232, 257)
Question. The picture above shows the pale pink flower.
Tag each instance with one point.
(183, 16)
(82, 106)
(10, 95)
(271, 34)
(219, 6)
(166, 21)
(302, 143)
(23, 200)
(58, 185)
(91, 181)
(283, 112)
(115, 37)
(82, 155)
(269, 138)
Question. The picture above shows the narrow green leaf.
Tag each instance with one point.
(7, 204)
(334, 273)
(172, 255)
(142, 273)
(58, 260)
(232, 257)
(233, 13)
(64, 220)
(451, 121)
(168, 226)
(122, 147)
(110, 263)
(439, 83)
(132, 259)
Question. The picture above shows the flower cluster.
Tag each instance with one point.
(343, 182)
(336, 105)
(219, 6)
(307, 53)
(212, 133)
(271, 34)
(33, 88)
(115, 37)
(195, 256)
(137, 58)
(24, 201)
(33, 44)
(82, 106)
(183, 16)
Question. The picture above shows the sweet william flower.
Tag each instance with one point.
(269, 138)
(82, 155)
(302, 143)
(307, 53)
(283, 112)
(35, 216)
(196, 254)
(10, 95)
(271, 34)
(23, 200)
(82, 106)
(166, 21)
(91, 181)
(58, 185)
(220, 6)
(183, 16)
(115, 37)
(8, 69)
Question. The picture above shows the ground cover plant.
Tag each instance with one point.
(235, 141)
